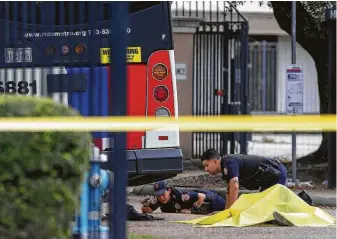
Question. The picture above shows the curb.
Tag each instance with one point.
(146, 190)
(197, 164)
(189, 165)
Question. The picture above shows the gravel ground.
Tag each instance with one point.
(199, 181)
(168, 230)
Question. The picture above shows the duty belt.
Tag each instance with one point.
(267, 170)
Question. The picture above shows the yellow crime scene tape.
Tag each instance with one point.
(237, 123)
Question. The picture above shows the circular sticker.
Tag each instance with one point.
(177, 206)
(225, 171)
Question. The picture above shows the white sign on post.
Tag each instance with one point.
(294, 98)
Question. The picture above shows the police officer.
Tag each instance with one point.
(250, 171)
(172, 200)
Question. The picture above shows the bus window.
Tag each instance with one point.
(73, 12)
(139, 6)
(65, 6)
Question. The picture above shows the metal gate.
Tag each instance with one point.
(220, 74)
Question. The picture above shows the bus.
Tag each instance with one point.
(45, 40)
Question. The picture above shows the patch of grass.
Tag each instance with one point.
(136, 236)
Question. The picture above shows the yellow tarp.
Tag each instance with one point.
(255, 208)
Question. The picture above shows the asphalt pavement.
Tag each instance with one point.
(168, 230)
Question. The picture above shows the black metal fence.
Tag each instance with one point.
(219, 69)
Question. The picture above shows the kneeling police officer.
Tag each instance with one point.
(250, 171)
(172, 200)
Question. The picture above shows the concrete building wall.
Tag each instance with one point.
(183, 47)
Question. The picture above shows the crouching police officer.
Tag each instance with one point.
(250, 171)
(171, 200)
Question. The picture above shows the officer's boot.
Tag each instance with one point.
(133, 215)
(280, 220)
(305, 197)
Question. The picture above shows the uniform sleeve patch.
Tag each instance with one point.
(154, 200)
(185, 197)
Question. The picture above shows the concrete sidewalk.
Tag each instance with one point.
(319, 197)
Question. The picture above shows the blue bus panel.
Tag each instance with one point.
(149, 30)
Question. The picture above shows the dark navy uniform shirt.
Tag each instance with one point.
(185, 199)
(245, 167)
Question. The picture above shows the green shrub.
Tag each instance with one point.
(40, 173)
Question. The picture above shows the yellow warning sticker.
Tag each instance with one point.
(133, 54)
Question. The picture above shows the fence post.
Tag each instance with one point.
(244, 85)
(264, 74)
(118, 43)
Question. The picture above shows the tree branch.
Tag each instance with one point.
(308, 31)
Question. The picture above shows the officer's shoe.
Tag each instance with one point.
(305, 197)
(133, 215)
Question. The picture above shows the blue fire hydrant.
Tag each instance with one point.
(96, 182)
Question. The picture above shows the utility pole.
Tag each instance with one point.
(330, 22)
(293, 61)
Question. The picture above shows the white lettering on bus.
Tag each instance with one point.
(103, 31)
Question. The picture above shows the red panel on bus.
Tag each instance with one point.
(136, 101)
